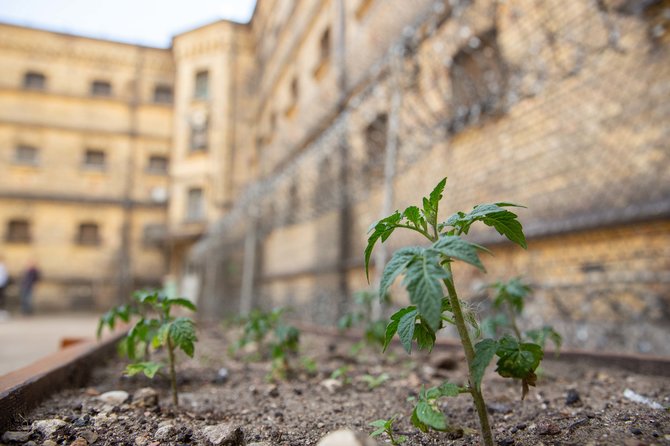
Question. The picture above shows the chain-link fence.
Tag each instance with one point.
(560, 106)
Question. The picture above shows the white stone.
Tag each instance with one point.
(346, 437)
(224, 435)
(114, 397)
(164, 433)
(48, 427)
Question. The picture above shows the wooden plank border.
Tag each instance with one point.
(23, 389)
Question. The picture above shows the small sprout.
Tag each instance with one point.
(156, 328)
(386, 427)
(341, 374)
(375, 381)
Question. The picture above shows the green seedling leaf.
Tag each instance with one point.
(484, 352)
(406, 327)
(375, 381)
(513, 292)
(455, 247)
(518, 360)
(181, 302)
(381, 230)
(432, 202)
(430, 416)
(148, 368)
(540, 336)
(392, 327)
(414, 217)
(502, 220)
(182, 333)
(397, 265)
(449, 389)
(382, 425)
(422, 281)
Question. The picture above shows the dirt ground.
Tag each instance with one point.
(572, 405)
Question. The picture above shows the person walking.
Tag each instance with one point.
(4, 282)
(30, 277)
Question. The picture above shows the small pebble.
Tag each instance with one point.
(635, 431)
(572, 397)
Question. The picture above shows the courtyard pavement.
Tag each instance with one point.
(23, 340)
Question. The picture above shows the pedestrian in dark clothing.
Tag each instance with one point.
(30, 277)
(4, 282)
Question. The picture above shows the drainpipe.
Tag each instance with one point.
(125, 258)
(391, 154)
(345, 213)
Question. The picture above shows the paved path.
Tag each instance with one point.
(24, 340)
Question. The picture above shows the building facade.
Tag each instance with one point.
(85, 147)
(289, 135)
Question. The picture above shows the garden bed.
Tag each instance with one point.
(574, 402)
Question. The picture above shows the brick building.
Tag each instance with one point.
(292, 133)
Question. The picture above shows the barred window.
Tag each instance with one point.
(33, 80)
(101, 88)
(18, 231)
(88, 234)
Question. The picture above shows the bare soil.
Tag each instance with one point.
(573, 404)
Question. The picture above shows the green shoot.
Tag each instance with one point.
(386, 427)
(156, 328)
(430, 283)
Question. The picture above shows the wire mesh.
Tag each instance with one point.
(561, 106)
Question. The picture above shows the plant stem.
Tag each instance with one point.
(173, 374)
(461, 326)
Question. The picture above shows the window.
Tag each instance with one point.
(94, 159)
(157, 164)
(18, 231)
(195, 206)
(201, 85)
(153, 235)
(163, 94)
(101, 88)
(199, 132)
(34, 81)
(88, 234)
(26, 155)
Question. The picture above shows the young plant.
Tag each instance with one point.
(342, 374)
(283, 343)
(375, 381)
(427, 273)
(374, 330)
(508, 303)
(386, 427)
(156, 328)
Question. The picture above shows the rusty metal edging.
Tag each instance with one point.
(631, 362)
(23, 389)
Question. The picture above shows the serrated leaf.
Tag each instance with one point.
(416, 422)
(381, 230)
(182, 333)
(455, 247)
(540, 336)
(432, 202)
(406, 326)
(424, 336)
(148, 368)
(484, 352)
(506, 224)
(392, 327)
(430, 416)
(517, 360)
(182, 302)
(413, 215)
(397, 266)
(449, 389)
(422, 280)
